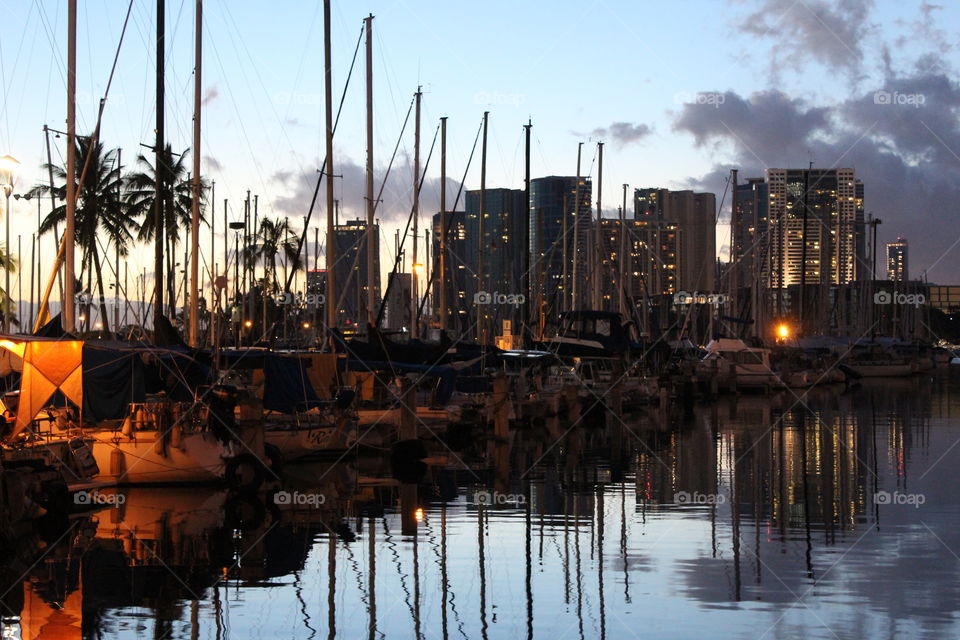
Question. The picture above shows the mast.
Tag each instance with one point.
(443, 224)
(330, 286)
(525, 320)
(160, 170)
(371, 299)
(597, 253)
(622, 255)
(195, 199)
(414, 315)
(575, 289)
(481, 315)
(67, 300)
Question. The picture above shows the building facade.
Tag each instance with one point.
(455, 265)
(351, 272)
(897, 260)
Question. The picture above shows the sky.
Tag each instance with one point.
(678, 92)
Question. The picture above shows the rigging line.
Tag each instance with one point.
(7, 87)
(50, 39)
(449, 218)
(323, 171)
(369, 229)
(406, 231)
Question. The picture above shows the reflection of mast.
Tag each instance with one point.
(372, 583)
(576, 548)
(603, 618)
(529, 569)
(483, 574)
(443, 569)
(623, 543)
(331, 586)
(735, 516)
(806, 491)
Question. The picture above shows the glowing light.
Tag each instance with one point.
(418, 514)
(248, 323)
(306, 325)
(783, 331)
(418, 269)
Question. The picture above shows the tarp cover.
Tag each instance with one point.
(112, 379)
(48, 365)
(287, 387)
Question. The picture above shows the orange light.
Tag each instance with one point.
(306, 325)
(418, 514)
(783, 331)
(248, 324)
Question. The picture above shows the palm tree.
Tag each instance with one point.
(275, 240)
(6, 304)
(99, 208)
(177, 197)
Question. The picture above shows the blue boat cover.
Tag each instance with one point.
(286, 386)
(112, 379)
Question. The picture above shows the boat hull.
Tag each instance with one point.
(197, 457)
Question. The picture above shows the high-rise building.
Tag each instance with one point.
(830, 241)
(749, 241)
(559, 236)
(457, 273)
(694, 217)
(351, 272)
(652, 255)
(897, 265)
(398, 305)
(503, 240)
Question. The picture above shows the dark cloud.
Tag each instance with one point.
(211, 94)
(832, 33)
(396, 199)
(622, 133)
(903, 139)
(212, 163)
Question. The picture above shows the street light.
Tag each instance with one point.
(8, 169)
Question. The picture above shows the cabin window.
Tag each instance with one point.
(603, 327)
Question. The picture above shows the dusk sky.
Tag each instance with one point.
(679, 92)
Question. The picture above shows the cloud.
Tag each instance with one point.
(622, 133)
(396, 199)
(211, 94)
(212, 163)
(903, 139)
(832, 33)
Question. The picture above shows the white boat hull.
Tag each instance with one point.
(198, 457)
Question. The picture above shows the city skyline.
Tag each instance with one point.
(683, 129)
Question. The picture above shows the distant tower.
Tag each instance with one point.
(897, 265)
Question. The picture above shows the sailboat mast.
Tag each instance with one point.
(525, 320)
(575, 288)
(371, 278)
(195, 199)
(443, 223)
(622, 255)
(597, 253)
(68, 240)
(330, 286)
(160, 170)
(414, 316)
(481, 311)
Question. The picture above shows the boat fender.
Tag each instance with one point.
(84, 457)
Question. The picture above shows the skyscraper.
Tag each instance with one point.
(833, 202)
(749, 242)
(559, 236)
(897, 265)
(351, 271)
(694, 217)
(457, 273)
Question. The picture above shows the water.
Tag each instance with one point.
(833, 515)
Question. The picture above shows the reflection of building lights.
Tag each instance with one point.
(418, 514)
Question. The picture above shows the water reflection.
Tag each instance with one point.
(750, 517)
